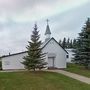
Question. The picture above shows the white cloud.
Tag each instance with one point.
(17, 18)
(29, 10)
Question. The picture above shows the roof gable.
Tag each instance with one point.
(56, 42)
(42, 48)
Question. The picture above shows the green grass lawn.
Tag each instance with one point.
(78, 70)
(39, 81)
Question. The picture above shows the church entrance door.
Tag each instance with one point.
(51, 62)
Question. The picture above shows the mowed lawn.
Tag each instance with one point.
(74, 68)
(39, 80)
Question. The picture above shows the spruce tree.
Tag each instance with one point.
(35, 57)
(64, 43)
(71, 44)
(74, 45)
(82, 55)
(60, 42)
(68, 43)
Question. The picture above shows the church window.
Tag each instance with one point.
(67, 56)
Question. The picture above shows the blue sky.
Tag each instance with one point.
(17, 18)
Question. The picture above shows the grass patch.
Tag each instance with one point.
(74, 68)
(39, 81)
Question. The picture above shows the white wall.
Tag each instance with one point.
(53, 47)
(13, 62)
(70, 53)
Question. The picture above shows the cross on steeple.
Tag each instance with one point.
(47, 32)
(47, 28)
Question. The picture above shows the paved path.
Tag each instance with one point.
(72, 75)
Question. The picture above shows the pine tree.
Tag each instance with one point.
(68, 43)
(82, 55)
(35, 57)
(74, 45)
(60, 42)
(64, 43)
(71, 44)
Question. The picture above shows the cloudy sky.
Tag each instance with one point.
(17, 18)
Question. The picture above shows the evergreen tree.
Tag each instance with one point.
(71, 44)
(82, 55)
(68, 43)
(60, 42)
(64, 43)
(74, 45)
(35, 57)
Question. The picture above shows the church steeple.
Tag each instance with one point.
(48, 32)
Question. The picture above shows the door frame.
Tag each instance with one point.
(53, 62)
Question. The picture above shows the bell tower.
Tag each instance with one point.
(47, 32)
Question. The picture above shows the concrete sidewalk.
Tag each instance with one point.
(72, 75)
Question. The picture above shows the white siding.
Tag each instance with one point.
(13, 62)
(53, 47)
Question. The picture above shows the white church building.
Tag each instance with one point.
(55, 57)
